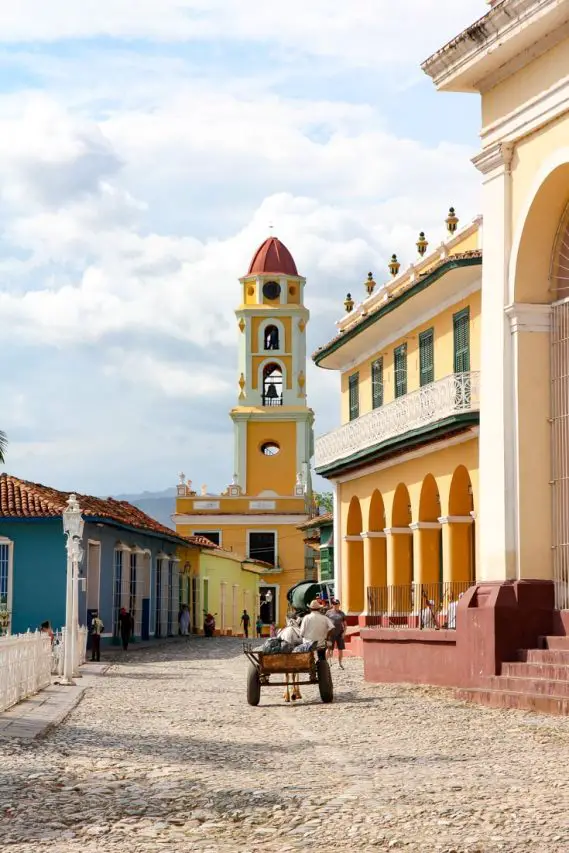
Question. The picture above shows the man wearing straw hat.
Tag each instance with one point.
(316, 627)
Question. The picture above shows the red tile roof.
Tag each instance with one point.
(317, 521)
(22, 499)
(272, 256)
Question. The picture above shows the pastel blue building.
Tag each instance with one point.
(130, 560)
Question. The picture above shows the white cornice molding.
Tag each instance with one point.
(417, 321)
(373, 534)
(398, 531)
(388, 289)
(494, 42)
(425, 525)
(495, 157)
(470, 435)
(357, 537)
(244, 520)
(525, 317)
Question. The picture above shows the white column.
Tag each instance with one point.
(497, 422)
(337, 542)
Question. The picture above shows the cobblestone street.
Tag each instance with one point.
(165, 754)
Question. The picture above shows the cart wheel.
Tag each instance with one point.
(325, 681)
(253, 686)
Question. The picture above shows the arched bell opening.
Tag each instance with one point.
(272, 385)
(271, 338)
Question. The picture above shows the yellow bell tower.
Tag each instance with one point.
(258, 515)
(273, 424)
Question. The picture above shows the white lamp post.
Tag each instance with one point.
(73, 528)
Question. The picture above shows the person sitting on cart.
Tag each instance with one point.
(316, 627)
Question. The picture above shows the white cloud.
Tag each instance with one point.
(185, 381)
(363, 32)
(131, 204)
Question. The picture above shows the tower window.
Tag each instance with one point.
(270, 448)
(263, 546)
(272, 385)
(272, 338)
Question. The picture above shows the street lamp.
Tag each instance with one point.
(73, 525)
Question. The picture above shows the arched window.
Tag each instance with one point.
(271, 338)
(272, 385)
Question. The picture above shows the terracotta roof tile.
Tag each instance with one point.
(23, 499)
(272, 256)
(318, 521)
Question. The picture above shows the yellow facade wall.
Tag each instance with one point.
(541, 74)
(441, 464)
(428, 554)
(290, 555)
(444, 356)
(226, 590)
(293, 296)
(271, 472)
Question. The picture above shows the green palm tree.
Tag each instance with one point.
(3, 445)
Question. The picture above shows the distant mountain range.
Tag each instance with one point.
(158, 505)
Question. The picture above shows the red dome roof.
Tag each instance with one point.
(272, 256)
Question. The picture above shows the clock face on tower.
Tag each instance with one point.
(271, 290)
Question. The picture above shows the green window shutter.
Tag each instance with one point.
(461, 328)
(377, 383)
(354, 394)
(427, 357)
(400, 370)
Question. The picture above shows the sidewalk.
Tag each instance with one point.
(35, 716)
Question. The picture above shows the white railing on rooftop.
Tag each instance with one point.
(453, 395)
(25, 666)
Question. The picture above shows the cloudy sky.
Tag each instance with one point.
(145, 147)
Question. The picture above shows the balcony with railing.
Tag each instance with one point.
(457, 394)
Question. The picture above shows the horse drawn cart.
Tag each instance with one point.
(292, 665)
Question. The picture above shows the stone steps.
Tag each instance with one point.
(556, 643)
(555, 671)
(537, 681)
(538, 702)
(544, 656)
(535, 686)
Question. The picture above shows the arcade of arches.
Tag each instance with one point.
(416, 530)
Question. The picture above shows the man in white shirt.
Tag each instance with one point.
(317, 627)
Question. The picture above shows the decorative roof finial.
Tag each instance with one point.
(451, 221)
(204, 489)
(422, 243)
(370, 284)
(349, 303)
(182, 477)
(394, 265)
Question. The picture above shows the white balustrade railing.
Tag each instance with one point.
(58, 650)
(455, 394)
(25, 666)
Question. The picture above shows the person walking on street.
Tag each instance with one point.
(246, 620)
(338, 617)
(97, 629)
(185, 620)
(316, 627)
(259, 626)
(126, 625)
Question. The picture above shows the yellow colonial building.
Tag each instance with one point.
(270, 494)
(404, 462)
(218, 581)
